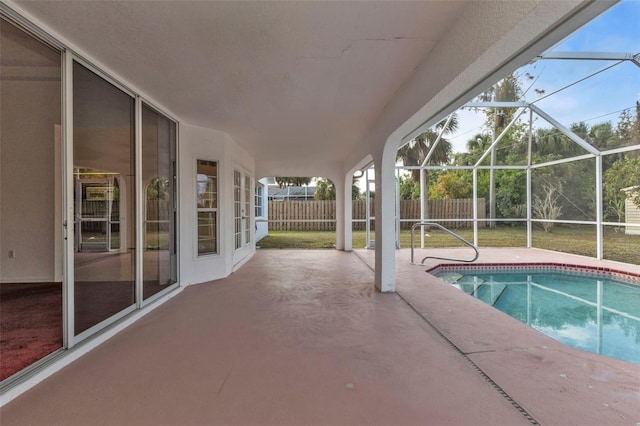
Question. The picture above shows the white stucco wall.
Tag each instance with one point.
(207, 144)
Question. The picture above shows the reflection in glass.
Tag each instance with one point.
(104, 199)
(30, 201)
(207, 206)
(158, 175)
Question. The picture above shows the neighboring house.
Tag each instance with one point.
(631, 211)
(292, 193)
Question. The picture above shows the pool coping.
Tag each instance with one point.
(555, 383)
(633, 278)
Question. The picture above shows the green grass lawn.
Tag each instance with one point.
(576, 240)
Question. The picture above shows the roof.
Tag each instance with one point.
(291, 192)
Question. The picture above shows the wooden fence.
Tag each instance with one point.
(321, 215)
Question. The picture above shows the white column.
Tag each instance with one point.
(340, 210)
(423, 198)
(347, 215)
(385, 221)
(599, 209)
(475, 206)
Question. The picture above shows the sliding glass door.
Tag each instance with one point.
(104, 199)
(159, 186)
(31, 283)
(76, 205)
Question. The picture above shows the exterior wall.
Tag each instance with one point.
(206, 144)
(632, 215)
(262, 227)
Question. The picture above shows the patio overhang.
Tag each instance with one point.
(311, 83)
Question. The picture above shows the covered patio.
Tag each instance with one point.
(302, 337)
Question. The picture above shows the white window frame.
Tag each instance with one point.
(259, 200)
(207, 210)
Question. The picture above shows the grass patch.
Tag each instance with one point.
(576, 240)
(298, 240)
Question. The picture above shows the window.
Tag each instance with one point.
(237, 209)
(207, 206)
(259, 195)
(247, 209)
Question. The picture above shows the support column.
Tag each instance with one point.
(385, 221)
(599, 210)
(347, 215)
(340, 211)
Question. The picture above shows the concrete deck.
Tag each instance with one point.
(300, 337)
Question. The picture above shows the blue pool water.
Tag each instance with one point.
(588, 312)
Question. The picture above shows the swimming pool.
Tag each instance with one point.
(596, 311)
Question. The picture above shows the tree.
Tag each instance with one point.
(292, 181)
(326, 190)
(506, 90)
(602, 136)
(414, 152)
(158, 189)
(409, 189)
(623, 173)
(511, 193)
(452, 185)
(547, 207)
(628, 129)
(476, 146)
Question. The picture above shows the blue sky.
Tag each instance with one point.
(597, 99)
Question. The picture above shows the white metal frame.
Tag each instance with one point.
(197, 255)
(521, 107)
(68, 57)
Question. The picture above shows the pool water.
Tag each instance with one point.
(589, 312)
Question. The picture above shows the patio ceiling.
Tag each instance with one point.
(289, 81)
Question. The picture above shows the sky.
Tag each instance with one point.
(597, 99)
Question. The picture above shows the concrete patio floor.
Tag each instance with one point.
(301, 337)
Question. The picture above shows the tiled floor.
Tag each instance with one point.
(300, 337)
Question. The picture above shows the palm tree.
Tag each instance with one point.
(293, 181)
(550, 141)
(414, 152)
(604, 137)
(476, 146)
(506, 90)
(326, 190)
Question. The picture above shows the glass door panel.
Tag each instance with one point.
(237, 209)
(158, 174)
(31, 269)
(242, 215)
(104, 175)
